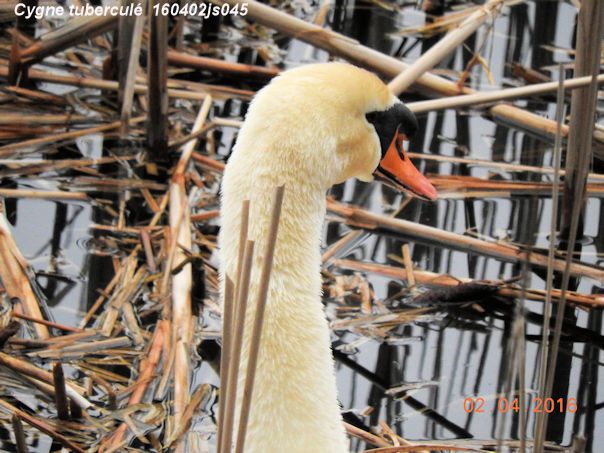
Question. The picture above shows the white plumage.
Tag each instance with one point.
(307, 130)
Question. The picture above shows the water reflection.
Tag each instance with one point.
(468, 353)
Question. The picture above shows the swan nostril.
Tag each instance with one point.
(399, 146)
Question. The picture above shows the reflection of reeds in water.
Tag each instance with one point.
(127, 375)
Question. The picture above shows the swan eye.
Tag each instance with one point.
(385, 125)
(396, 121)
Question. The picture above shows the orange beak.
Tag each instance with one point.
(396, 169)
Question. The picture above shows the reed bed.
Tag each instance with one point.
(148, 358)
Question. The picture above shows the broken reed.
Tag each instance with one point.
(231, 359)
(182, 275)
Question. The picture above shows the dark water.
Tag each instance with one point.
(455, 352)
(466, 355)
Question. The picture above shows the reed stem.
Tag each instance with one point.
(237, 342)
(225, 355)
(263, 286)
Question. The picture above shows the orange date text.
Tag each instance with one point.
(480, 405)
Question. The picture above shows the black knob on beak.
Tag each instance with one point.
(398, 119)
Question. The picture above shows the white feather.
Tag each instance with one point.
(306, 130)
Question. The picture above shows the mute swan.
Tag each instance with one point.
(310, 128)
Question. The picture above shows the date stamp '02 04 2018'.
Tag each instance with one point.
(188, 9)
(482, 405)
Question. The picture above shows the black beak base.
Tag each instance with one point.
(398, 119)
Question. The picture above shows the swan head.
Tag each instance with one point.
(335, 121)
